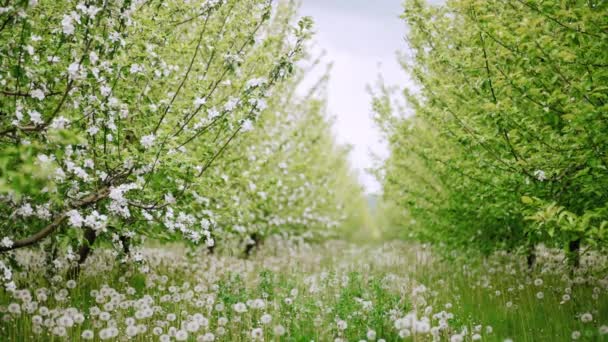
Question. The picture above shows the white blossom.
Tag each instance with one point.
(74, 218)
(147, 141)
(38, 94)
(35, 117)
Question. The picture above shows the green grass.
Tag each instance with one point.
(312, 291)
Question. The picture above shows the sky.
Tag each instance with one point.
(360, 38)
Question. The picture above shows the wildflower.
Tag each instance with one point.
(540, 295)
(258, 304)
(131, 330)
(604, 330)
(586, 317)
(192, 326)
(208, 337)
(14, 308)
(538, 282)
(371, 335)
(59, 331)
(279, 330)
(65, 321)
(181, 335)
(266, 318)
(405, 333)
(240, 307)
(456, 338)
(257, 333)
(476, 337)
(87, 335)
(342, 325)
(576, 335)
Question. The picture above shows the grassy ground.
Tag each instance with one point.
(295, 292)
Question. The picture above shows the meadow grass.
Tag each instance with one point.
(335, 291)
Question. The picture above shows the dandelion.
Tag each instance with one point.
(87, 335)
(105, 334)
(405, 333)
(104, 316)
(59, 331)
(540, 295)
(181, 335)
(14, 308)
(131, 330)
(586, 317)
(65, 321)
(266, 319)
(257, 333)
(371, 335)
(208, 337)
(576, 335)
(192, 326)
(456, 338)
(342, 325)
(279, 330)
(240, 307)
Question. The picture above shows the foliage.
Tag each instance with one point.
(509, 122)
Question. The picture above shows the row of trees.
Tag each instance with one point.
(504, 143)
(172, 120)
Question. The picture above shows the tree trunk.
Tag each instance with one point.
(83, 253)
(257, 241)
(531, 258)
(574, 257)
(126, 244)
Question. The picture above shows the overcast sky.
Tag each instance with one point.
(361, 38)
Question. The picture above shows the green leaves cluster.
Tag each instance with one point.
(507, 143)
